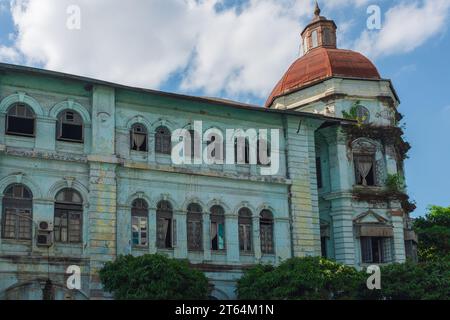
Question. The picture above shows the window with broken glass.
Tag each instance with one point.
(20, 120)
(69, 127)
(138, 138)
(139, 223)
(245, 230)
(163, 140)
(17, 213)
(194, 227)
(165, 225)
(217, 228)
(266, 230)
(68, 216)
(365, 169)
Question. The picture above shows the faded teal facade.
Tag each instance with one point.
(313, 197)
(109, 177)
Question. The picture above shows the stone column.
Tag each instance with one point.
(399, 252)
(206, 236)
(256, 238)
(344, 244)
(232, 238)
(124, 245)
(152, 230)
(180, 249)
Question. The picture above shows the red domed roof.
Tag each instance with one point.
(320, 64)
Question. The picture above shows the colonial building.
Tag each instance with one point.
(86, 174)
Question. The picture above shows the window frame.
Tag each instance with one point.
(165, 214)
(194, 216)
(17, 204)
(372, 172)
(9, 116)
(245, 225)
(139, 211)
(163, 141)
(144, 133)
(67, 208)
(217, 218)
(60, 122)
(267, 222)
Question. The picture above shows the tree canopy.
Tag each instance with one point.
(153, 277)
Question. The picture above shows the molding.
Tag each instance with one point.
(24, 98)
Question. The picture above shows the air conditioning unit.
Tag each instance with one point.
(45, 226)
(44, 237)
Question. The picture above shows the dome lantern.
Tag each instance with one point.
(320, 32)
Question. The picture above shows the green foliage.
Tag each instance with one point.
(411, 281)
(153, 277)
(434, 234)
(321, 279)
(301, 279)
(395, 183)
(352, 114)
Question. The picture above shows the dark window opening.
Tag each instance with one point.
(17, 213)
(242, 151)
(323, 246)
(375, 249)
(138, 138)
(266, 232)
(68, 217)
(264, 157)
(70, 127)
(20, 120)
(319, 173)
(139, 223)
(163, 141)
(165, 225)
(194, 227)
(217, 228)
(245, 230)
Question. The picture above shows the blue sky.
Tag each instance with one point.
(238, 49)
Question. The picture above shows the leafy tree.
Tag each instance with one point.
(434, 234)
(410, 281)
(153, 277)
(310, 278)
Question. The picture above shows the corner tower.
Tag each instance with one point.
(359, 190)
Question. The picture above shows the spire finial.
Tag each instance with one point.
(317, 10)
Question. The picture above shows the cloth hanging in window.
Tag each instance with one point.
(138, 140)
(213, 230)
(364, 165)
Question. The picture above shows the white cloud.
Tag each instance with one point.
(233, 53)
(8, 54)
(406, 27)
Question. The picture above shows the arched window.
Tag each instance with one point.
(68, 216)
(138, 138)
(163, 140)
(194, 227)
(363, 114)
(218, 153)
(20, 120)
(364, 152)
(314, 39)
(266, 230)
(242, 151)
(245, 230)
(17, 213)
(166, 226)
(69, 126)
(139, 223)
(217, 228)
(264, 152)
